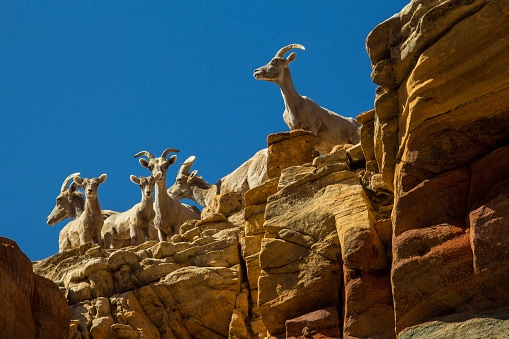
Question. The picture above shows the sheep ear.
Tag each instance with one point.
(143, 162)
(102, 178)
(291, 57)
(192, 176)
(73, 187)
(78, 180)
(134, 179)
(171, 160)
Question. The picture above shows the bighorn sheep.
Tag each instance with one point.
(135, 224)
(90, 222)
(69, 204)
(250, 174)
(170, 213)
(303, 113)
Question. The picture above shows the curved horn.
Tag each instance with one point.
(185, 168)
(145, 153)
(168, 150)
(285, 49)
(66, 181)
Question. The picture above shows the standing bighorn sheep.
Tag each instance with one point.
(170, 213)
(90, 222)
(135, 224)
(303, 113)
(250, 174)
(69, 204)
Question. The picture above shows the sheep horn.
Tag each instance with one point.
(285, 49)
(185, 168)
(168, 150)
(145, 153)
(66, 181)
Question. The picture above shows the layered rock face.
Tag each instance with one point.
(31, 306)
(404, 235)
(304, 246)
(441, 141)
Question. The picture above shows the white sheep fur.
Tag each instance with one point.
(250, 174)
(301, 112)
(90, 222)
(69, 203)
(135, 224)
(170, 213)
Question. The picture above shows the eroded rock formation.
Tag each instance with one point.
(31, 306)
(404, 235)
(441, 141)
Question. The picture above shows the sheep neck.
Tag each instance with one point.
(204, 196)
(92, 208)
(164, 202)
(290, 95)
(76, 206)
(146, 203)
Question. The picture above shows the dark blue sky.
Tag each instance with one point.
(87, 84)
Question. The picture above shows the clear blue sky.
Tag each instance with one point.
(87, 84)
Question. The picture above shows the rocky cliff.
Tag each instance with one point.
(404, 235)
(441, 141)
(30, 306)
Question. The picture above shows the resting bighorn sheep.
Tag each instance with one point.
(90, 222)
(250, 174)
(136, 223)
(170, 213)
(69, 204)
(303, 113)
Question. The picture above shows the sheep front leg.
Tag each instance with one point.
(152, 233)
(107, 240)
(134, 234)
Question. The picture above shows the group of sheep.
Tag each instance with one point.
(148, 219)
(162, 217)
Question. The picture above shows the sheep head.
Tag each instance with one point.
(146, 183)
(275, 69)
(91, 185)
(160, 164)
(183, 183)
(68, 203)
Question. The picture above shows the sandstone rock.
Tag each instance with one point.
(488, 229)
(260, 194)
(442, 199)
(412, 245)
(289, 149)
(491, 325)
(368, 297)
(317, 217)
(356, 156)
(318, 324)
(430, 267)
(31, 306)
(440, 140)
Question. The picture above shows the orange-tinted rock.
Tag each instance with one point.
(321, 324)
(489, 229)
(289, 149)
(30, 306)
(442, 199)
(368, 297)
